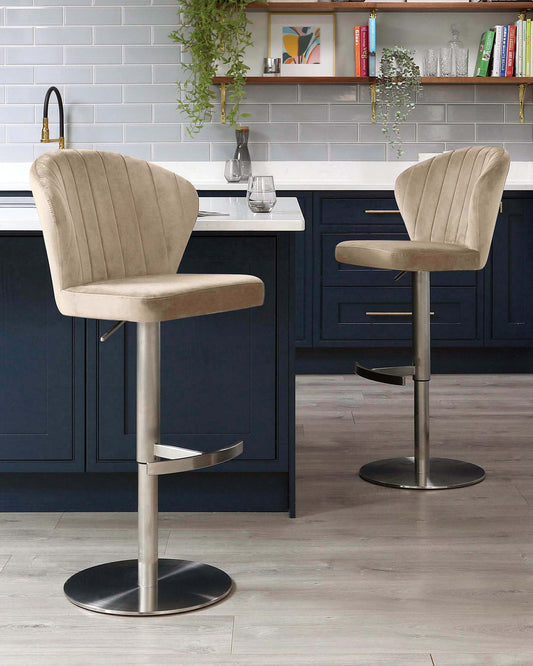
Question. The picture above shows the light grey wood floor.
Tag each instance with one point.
(365, 576)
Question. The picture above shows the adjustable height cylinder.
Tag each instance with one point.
(148, 434)
(422, 375)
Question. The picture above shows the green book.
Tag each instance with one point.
(483, 56)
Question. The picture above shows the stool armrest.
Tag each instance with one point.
(186, 460)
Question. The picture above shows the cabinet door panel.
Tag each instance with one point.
(218, 372)
(360, 314)
(37, 365)
(512, 273)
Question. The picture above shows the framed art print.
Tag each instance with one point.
(304, 42)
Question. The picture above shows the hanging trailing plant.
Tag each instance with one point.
(214, 34)
(396, 89)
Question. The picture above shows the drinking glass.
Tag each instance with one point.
(461, 61)
(431, 62)
(261, 194)
(232, 171)
(445, 61)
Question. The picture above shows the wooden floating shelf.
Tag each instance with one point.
(300, 7)
(428, 80)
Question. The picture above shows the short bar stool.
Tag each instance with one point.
(115, 230)
(449, 205)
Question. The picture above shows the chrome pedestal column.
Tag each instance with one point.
(421, 472)
(148, 586)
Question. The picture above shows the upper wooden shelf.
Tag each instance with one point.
(454, 80)
(300, 7)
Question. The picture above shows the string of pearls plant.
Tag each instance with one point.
(396, 90)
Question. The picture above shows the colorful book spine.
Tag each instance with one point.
(484, 53)
(511, 47)
(518, 55)
(497, 50)
(524, 51)
(357, 49)
(503, 53)
(364, 50)
(528, 47)
(372, 46)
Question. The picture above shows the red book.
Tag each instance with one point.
(364, 50)
(511, 44)
(357, 43)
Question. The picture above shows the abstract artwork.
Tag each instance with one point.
(304, 42)
(301, 45)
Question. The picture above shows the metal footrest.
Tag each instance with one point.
(392, 375)
(185, 460)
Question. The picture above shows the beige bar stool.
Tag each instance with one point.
(115, 230)
(449, 205)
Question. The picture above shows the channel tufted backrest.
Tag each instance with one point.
(108, 216)
(454, 197)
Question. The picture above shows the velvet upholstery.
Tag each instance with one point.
(449, 204)
(115, 229)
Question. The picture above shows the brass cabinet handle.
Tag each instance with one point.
(501, 206)
(392, 314)
(376, 212)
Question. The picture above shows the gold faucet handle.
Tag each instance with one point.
(45, 133)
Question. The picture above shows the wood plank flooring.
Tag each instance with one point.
(365, 576)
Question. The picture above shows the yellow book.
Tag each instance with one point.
(528, 48)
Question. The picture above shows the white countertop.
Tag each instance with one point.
(285, 216)
(296, 176)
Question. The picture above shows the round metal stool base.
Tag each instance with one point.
(443, 473)
(182, 586)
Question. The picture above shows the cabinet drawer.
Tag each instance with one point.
(335, 273)
(350, 210)
(360, 314)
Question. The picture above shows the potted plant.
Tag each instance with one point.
(396, 89)
(215, 35)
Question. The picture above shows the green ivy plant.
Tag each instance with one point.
(214, 34)
(396, 89)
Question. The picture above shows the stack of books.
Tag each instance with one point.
(365, 48)
(505, 50)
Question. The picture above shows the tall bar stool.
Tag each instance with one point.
(115, 230)
(449, 205)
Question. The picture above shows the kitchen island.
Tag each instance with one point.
(67, 417)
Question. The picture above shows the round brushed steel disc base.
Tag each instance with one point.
(182, 586)
(443, 473)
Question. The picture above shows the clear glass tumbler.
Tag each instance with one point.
(445, 60)
(232, 171)
(431, 62)
(261, 194)
(461, 61)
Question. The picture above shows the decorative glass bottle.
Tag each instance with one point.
(242, 153)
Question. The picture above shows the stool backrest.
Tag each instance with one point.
(454, 197)
(106, 216)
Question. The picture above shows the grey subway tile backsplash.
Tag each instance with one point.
(117, 70)
(123, 34)
(313, 152)
(440, 132)
(299, 113)
(357, 151)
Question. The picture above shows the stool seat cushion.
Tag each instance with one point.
(153, 298)
(408, 255)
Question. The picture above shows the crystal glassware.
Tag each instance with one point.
(445, 61)
(242, 153)
(261, 194)
(431, 62)
(461, 61)
(232, 171)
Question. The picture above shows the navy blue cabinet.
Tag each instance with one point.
(218, 372)
(511, 276)
(41, 366)
(359, 306)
